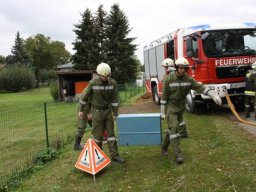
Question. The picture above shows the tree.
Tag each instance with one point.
(142, 68)
(16, 78)
(100, 32)
(120, 48)
(10, 60)
(38, 47)
(45, 54)
(19, 52)
(2, 59)
(85, 45)
(58, 53)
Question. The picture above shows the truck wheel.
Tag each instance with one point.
(156, 96)
(239, 106)
(190, 103)
(238, 102)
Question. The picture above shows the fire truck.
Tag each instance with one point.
(219, 56)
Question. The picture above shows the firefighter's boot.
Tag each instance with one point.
(166, 143)
(118, 159)
(77, 145)
(255, 111)
(164, 150)
(179, 159)
(184, 133)
(247, 112)
(100, 145)
(183, 130)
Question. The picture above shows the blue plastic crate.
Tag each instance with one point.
(139, 129)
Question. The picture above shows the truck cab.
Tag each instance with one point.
(219, 56)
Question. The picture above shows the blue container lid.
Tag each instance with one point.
(139, 115)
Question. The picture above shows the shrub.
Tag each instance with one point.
(47, 76)
(54, 90)
(16, 78)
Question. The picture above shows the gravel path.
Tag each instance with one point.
(145, 105)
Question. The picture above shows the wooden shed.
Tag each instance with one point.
(72, 82)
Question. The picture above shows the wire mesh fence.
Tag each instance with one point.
(20, 139)
(23, 134)
(30, 128)
(129, 91)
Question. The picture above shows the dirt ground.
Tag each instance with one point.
(250, 128)
(144, 104)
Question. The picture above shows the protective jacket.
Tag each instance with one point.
(250, 83)
(175, 89)
(100, 95)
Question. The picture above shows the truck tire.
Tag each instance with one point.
(239, 106)
(155, 95)
(190, 104)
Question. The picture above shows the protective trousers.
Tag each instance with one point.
(247, 105)
(173, 121)
(81, 125)
(182, 128)
(255, 106)
(102, 119)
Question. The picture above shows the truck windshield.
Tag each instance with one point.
(226, 43)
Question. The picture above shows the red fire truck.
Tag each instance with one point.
(219, 56)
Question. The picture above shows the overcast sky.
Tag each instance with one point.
(148, 19)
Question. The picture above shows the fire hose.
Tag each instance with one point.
(231, 106)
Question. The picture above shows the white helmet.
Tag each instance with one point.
(254, 65)
(181, 61)
(103, 69)
(168, 62)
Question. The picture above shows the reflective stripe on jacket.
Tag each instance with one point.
(176, 88)
(100, 95)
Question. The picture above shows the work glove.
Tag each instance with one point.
(163, 112)
(215, 97)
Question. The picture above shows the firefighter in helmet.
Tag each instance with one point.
(102, 97)
(250, 90)
(175, 88)
(81, 126)
(168, 66)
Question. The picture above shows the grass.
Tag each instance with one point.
(219, 156)
(22, 125)
(128, 94)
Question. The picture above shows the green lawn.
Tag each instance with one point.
(219, 156)
(22, 125)
(128, 93)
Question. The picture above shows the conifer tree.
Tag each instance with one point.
(120, 47)
(100, 32)
(85, 44)
(19, 52)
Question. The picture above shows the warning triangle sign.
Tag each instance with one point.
(92, 159)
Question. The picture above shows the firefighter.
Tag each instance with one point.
(102, 96)
(175, 88)
(250, 87)
(81, 126)
(168, 65)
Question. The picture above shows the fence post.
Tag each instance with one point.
(46, 125)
